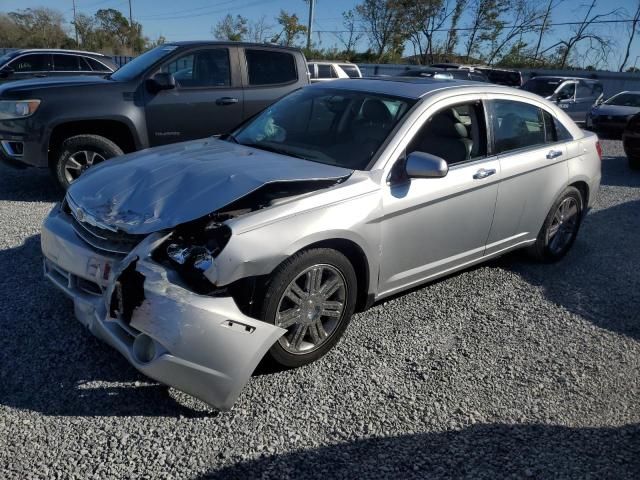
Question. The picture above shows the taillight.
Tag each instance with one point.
(599, 149)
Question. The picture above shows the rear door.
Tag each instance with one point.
(268, 75)
(533, 163)
(207, 99)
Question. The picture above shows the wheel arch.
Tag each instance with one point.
(116, 130)
(356, 255)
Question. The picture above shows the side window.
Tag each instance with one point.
(584, 91)
(204, 68)
(516, 125)
(456, 134)
(95, 65)
(66, 63)
(267, 67)
(567, 91)
(39, 62)
(562, 133)
(324, 71)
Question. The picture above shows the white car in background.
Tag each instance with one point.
(324, 71)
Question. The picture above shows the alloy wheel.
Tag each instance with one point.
(79, 162)
(311, 308)
(564, 225)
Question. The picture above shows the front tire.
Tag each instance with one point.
(560, 228)
(79, 153)
(312, 295)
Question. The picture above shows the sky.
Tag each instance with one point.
(193, 19)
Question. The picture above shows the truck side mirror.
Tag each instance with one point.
(161, 81)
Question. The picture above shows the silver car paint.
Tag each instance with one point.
(408, 234)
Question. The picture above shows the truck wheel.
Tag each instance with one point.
(79, 153)
(312, 295)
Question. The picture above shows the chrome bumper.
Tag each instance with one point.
(204, 346)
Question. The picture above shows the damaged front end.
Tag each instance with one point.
(135, 245)
(200, 343)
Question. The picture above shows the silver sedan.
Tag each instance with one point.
(198, 260)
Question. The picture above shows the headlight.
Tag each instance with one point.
(10, 109)
(191, 251)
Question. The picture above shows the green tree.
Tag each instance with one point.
(232, 29)
(39, 28)
(292, 29)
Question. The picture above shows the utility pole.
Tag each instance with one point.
(130, 15)
(75, 24)
(310, 26)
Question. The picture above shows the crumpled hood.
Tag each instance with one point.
(615, 110)
(163, 187)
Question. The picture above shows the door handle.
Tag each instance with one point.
(484, 173)
(554, 154)
(226, 101)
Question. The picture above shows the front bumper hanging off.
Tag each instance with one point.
(202, 345)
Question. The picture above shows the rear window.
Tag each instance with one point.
(325, 71)
(542, 86)
(267, 67)
(350, 70)
(96, 66)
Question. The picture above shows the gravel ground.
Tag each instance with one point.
(511, 369)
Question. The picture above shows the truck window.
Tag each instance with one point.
(204, 68)
(267, 67)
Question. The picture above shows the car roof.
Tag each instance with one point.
(55, 50)
(195, 43)
(333, 62)
(408, 87)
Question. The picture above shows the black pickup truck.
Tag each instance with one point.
(175, 92)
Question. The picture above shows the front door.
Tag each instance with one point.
(207, 99)
(432, 226)
(566, 99)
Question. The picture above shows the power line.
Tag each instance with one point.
(463, 29)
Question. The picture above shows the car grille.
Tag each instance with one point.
(101, 239)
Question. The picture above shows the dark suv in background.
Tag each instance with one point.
(23, 64)
(175, 92)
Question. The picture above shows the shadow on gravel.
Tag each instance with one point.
(616, 173)
(51, 364)
(599, 278)
(483, 451)
(28, 185)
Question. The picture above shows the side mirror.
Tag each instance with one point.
(161, 81)
(425, 165)
(6, 72)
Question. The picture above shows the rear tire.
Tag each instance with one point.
(560, 228)
(312, 295)
(79, 153)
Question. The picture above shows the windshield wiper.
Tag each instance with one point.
(269, 148)
(228, 137)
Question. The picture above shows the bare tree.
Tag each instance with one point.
(351, 36)
(525, 14)
(384, 24)
(634, 27)
(584, 31)
(452, 35)
(486, 24)
(259, 30)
